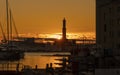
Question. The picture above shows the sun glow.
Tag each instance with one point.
(57, 36)
(89, 35)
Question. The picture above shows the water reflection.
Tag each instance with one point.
(41, 59)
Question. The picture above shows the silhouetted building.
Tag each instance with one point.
(108, 24)
(64, 30)
(29, 40)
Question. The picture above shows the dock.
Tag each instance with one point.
(20, 69)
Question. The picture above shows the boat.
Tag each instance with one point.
(8, 51)
(11, 53)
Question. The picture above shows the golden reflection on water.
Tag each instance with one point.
(33, 59)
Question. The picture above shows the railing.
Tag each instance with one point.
(6, 66)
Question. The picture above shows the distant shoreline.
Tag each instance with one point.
(45, 51)
(52, 53)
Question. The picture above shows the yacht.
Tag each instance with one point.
(8, 51)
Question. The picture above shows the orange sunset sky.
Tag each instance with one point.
(45, 16)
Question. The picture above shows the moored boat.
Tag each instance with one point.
(11, 53)
(8, 51)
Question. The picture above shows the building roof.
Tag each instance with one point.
(100, 3)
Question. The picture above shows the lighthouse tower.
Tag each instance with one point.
(64, 30)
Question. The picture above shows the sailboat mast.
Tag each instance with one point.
(4, 38)
(7, 16)
(14, 26)
(10, 25)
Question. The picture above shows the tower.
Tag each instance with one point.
(64, 30)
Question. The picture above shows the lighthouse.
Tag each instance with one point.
(64, 30)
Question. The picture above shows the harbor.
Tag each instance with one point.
(50, 41)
